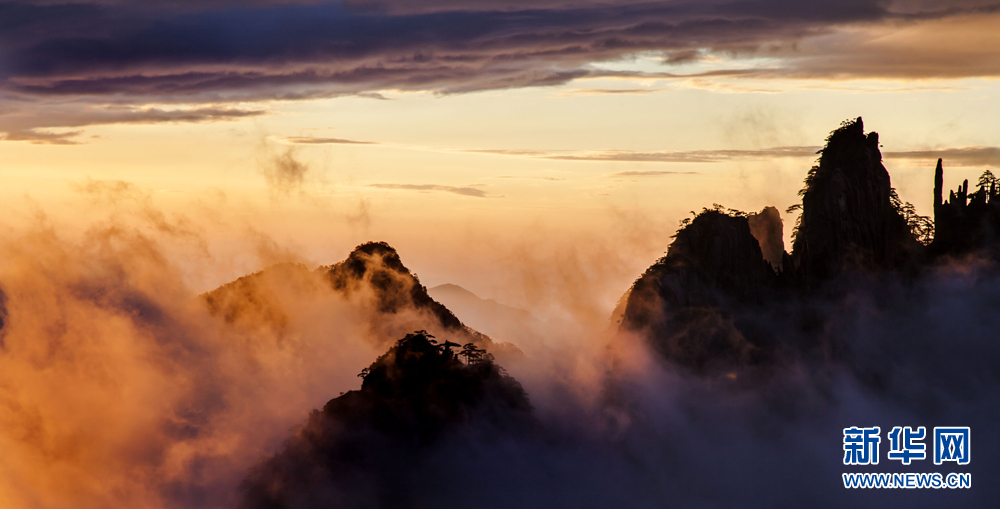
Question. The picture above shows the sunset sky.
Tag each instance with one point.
(498, 145)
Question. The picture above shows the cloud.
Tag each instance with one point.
(461, 190)
(613, 91)
(37, 137)
(26, 127)
(136, 203)
(649, 173)
(959, 156)
(691, 156)
(309, 140)
(114, 52)
(953, 47)
(118, 389)
(361, 217)
(514, 177)
(284, 172)
(504, 152)
(159, 116)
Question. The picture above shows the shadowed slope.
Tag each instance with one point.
(848, 219)
(966, 223)
(714, 300)
(681, 303)
(365, 448)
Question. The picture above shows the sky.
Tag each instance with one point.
(495, 144)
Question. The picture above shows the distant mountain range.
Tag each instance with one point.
(505, 323)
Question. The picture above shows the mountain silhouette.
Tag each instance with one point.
(713, 265)
(716, 302)
(436, 424)
(848, 217)
(366, 447)
(372, 274)
(966, 223)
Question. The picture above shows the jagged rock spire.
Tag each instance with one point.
(938, 185)
(848, 218)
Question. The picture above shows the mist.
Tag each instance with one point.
(120, 389)
(119, 386)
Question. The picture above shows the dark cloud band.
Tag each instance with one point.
(225, 52)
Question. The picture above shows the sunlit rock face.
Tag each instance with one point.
(369, 448)
(767, 227)
(377, 266)
(373, 277)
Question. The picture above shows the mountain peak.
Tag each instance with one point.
(372, 273)
(453, 289)
(381, 253)
(705, 303)
(681, 303)
(848, 216)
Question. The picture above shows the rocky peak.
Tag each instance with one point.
(683, 302)
(966, 223)
(372, 273)
(767, 227)
(848, 219)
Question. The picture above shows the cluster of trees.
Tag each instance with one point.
(922, 227)
(472, 353)
(988, 181)
(475, 355)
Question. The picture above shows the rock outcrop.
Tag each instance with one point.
(684, 301)
(377, 266)
(966, 223)
(848, 219)
(769, 230)
(727, 295)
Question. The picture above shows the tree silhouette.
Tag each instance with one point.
(474, 355)
(447, 346)
(987, 180)
(922, 227)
